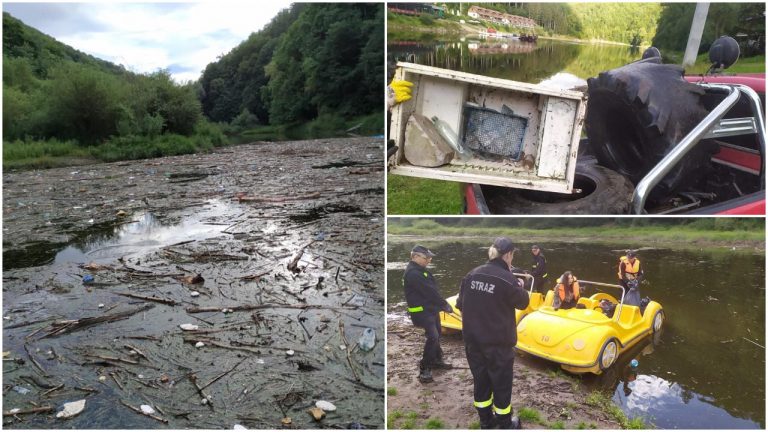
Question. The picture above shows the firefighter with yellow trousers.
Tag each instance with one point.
(630, 275)
(488, 297)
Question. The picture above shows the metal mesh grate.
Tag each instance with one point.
(493, 133)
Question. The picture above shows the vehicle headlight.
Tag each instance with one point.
(579, 344)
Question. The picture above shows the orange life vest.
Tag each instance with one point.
(629, 268)
(560, 290)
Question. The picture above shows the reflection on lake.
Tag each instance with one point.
(704, 371)
(513, 59)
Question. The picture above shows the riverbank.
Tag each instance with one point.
(542, 396)
(55, 153)
(677, 237)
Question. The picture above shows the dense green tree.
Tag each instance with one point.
(722, 19)
(237, 80)
(320, 66)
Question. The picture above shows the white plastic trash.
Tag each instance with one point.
(146, 409)
(367, 340)
(71, 409)
(189, 327)
(325, 406)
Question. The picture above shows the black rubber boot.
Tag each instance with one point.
(508, 422)
(425, 375)
(487, 419)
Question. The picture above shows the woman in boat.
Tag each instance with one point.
(566, 291)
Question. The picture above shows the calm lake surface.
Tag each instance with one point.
(704, 371)
(555, 62)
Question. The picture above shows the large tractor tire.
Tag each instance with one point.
(602, 192)
(639, 112)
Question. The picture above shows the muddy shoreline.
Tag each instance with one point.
(286, 239)
(560, 400)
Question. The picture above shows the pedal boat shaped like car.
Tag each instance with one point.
(451, 322)
(587, 340)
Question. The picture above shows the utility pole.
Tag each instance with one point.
(694, 37)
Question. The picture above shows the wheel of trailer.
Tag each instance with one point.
(637, 113)
(608, 354)
(603, 191)
(658, 321)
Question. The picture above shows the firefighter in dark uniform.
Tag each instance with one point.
(538, 269)
(487, 299)
(424, 307)
(630, 275)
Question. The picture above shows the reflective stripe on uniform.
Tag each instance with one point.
(426, 274)
(545, 275)
(500, 411)
(485, 404)
(416, 309)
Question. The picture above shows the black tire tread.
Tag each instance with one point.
(657, 108)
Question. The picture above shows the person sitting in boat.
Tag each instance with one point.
(566, 291)
(631, 274)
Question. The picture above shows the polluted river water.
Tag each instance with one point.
(200, 291)
(706, 369)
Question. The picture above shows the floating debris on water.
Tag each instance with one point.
(325, 406)
(71, 409)
(146, 409)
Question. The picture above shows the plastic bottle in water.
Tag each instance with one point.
(462, 153)
(367, 340)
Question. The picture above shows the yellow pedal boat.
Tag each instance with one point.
(582, 339)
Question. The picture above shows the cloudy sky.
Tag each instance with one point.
(144, 37)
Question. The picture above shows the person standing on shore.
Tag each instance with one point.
(488, 297)
(424, 307)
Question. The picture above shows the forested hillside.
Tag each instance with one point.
(312, 60)
(618, 22)
(311, 72)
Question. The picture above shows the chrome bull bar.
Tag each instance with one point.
(713, 126)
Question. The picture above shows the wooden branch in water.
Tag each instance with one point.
(27, 323)
(241, 197)
(265, 306)
(193, 379)
(47, 392)
(148, 298)
(131, 347)
(138, 410)
(114, 377)
(294, 264)
(222, 375)
(69, 326)
(256, 276)
(346, 347)
(110, 358)
(28, 411)
(34, 362)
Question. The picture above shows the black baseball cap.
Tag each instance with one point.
(504, 245)
(422, 250)
(535, 247)
(631, 254)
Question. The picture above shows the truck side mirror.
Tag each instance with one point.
(724, 52)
